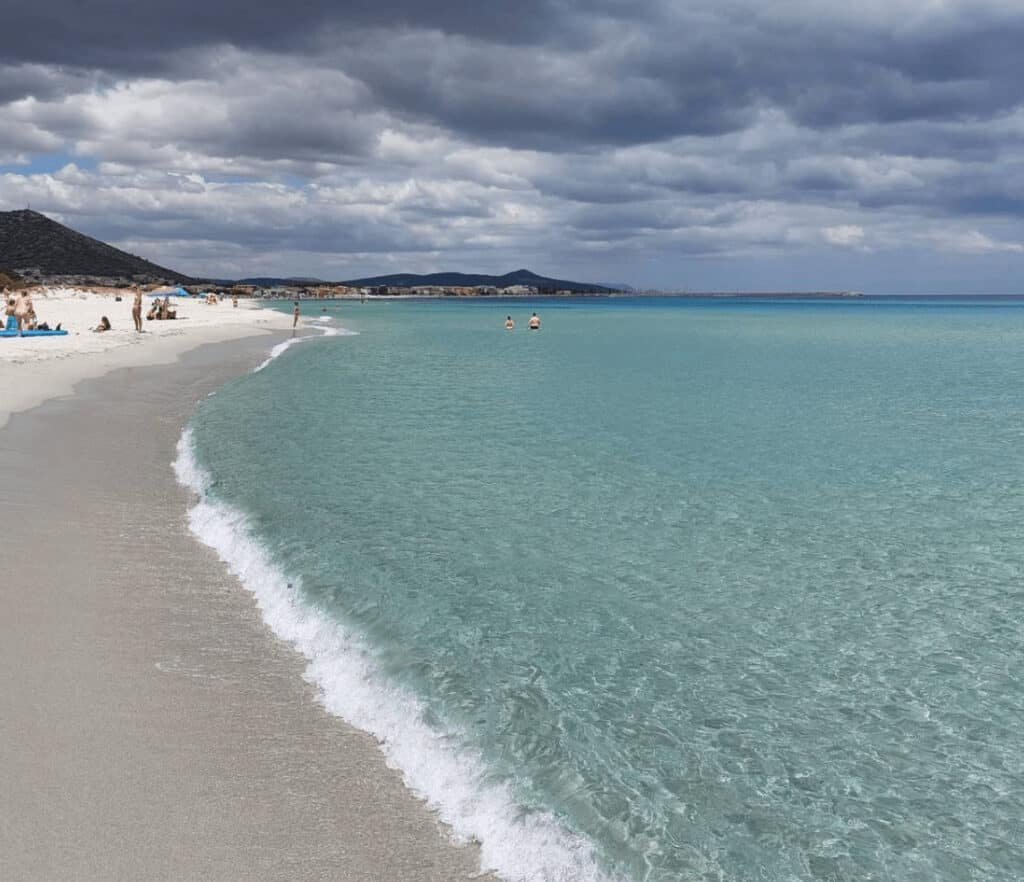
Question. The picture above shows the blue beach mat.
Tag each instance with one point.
(9, 333)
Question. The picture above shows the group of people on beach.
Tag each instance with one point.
(533, 324)
(159, 310)
(20, 313)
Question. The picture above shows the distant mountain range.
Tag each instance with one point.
(275, 282)
(38, 248)
(456, 280)
(33, 244)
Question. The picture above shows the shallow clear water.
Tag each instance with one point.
(732, 590)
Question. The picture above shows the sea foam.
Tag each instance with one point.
(279, 350)
(520, 846)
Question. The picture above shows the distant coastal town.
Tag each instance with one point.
(36, 250)
(326, 291)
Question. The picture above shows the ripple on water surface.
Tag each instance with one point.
(732, 591)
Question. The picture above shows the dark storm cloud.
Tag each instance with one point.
(42, 82)
(697, 72)
(657, 127)
(555, 74)
(826, 75)
(137, 37)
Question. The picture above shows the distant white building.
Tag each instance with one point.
(518, 290)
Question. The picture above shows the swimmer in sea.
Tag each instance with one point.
(534, 322)
(509, 324)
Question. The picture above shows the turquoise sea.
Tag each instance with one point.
(670, 590)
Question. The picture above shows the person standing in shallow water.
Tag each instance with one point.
(534, 324)
(137, 309)
(295, 314)
(509, 324)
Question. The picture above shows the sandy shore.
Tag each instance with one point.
(35, 369)
(152, 727)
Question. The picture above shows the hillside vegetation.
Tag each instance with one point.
(10, 279)
(36, 246)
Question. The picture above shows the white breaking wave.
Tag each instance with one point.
(282, 347)
(520, 847)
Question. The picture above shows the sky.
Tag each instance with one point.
(673, 144)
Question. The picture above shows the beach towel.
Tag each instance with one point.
(12, 323)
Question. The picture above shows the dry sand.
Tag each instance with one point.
(151, 727)
(35, 369)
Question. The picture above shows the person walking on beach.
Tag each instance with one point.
(534, 324)
(295, 314)
(509, 324)
(137, 309)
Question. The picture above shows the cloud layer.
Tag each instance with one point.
(722, 144)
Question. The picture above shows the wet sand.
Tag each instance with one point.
(151, 726)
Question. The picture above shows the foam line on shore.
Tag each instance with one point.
(279, 350)
(520, 846)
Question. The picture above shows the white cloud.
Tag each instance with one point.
(423, 149)
(969, 242)
(847, 235)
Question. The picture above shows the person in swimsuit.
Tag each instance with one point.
(137, 309)
(509, 324)
(9, 304)
(295, 314)
(104, 325)
(165, 310)
(23, 309)
(534, 322)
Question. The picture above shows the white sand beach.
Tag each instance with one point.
(35, 369)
